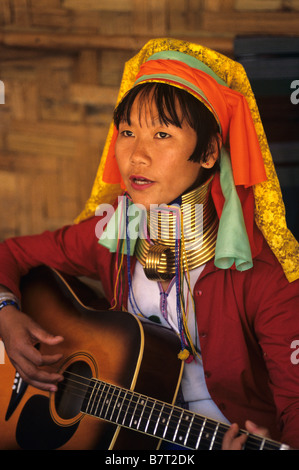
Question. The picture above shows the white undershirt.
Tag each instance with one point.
(151, 301)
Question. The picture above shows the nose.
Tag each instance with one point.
(140, 153)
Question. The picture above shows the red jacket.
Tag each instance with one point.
(246, 322)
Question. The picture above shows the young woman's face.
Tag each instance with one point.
(153, 157)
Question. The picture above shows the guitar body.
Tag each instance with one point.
(113, 346)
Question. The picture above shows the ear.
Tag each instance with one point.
(213, 157)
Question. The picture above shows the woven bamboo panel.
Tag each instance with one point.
(150, 17)
(61, 62)
(52, 133)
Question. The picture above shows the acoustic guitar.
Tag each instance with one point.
(121, 380)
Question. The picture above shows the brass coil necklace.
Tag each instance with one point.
(194, 221)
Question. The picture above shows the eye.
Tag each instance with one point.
(162, 135)
(127, 133)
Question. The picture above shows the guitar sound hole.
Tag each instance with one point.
(71, 391)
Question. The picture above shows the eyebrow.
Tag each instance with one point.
(153, 122)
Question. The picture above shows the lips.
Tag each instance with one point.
(140, 182)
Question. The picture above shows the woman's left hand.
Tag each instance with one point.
(232, 441)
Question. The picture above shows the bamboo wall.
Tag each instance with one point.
(61, 63)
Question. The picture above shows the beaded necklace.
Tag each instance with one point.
(181, 263)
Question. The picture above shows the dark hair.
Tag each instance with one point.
(165, 98)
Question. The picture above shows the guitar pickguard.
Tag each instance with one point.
(36, 429)
(46, 424)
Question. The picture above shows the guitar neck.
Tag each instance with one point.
(171, 423)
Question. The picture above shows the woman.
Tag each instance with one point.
(186, 134)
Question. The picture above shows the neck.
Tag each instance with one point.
(189, 225)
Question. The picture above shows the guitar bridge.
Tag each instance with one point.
(18, 389)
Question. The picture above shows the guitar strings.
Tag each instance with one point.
(195, 427)
(208, 427)
(172, 429)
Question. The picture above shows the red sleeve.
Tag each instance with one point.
(277, 327)
(72, 249)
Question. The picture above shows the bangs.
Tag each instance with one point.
(170, 102)
(174, 106)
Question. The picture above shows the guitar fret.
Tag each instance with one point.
(102, 402)
(158, 420)
(262, 444)
(177, 427)
(139, 412)
(88, 400)
(183, 426)
(107, 401)
(208, 435)
(133, 421)
(189, 428)
(200, 434)
(130, 409)
(162, 428)
(150, 416)
(153, 417)
(142, 416)
(221, 430)
(167, 425)
(124, 421)
(213, 438)
(121, 404)
(98, 397)
(114, 402)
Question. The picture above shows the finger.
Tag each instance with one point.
(29, 363)
(255, 429)
(48, 382)
(49, 360)
(34, 356)
(231, 440)
(39, 378)
(35, 370)
(38, 334)
(48, 386)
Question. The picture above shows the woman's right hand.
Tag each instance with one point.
(20, 335)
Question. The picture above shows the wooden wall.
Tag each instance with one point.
(61, 63)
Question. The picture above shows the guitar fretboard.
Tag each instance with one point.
(171, 423)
